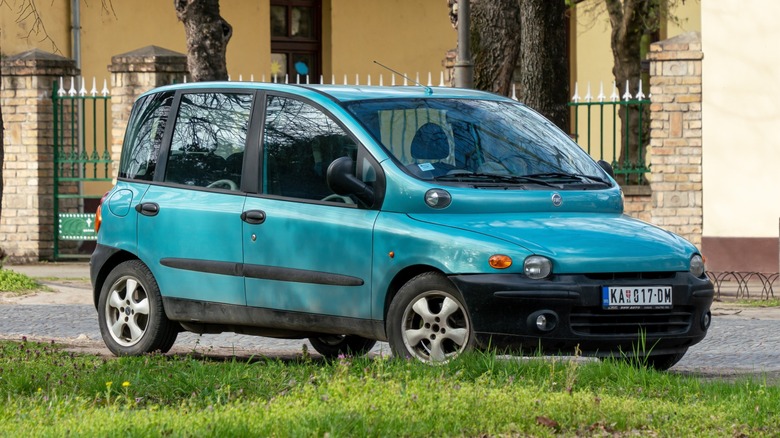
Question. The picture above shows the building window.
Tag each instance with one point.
(296, 47)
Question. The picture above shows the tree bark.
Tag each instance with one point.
(207, 36)
(629, 20)
(544, 67)
(495, 43)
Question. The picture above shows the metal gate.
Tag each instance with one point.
(82, 164)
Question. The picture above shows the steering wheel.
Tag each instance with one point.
(338, 198)
(223, 183)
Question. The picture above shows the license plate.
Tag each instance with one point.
(641, 297)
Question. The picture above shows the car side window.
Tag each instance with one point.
(299, 142)
(209, 139)
(144, 136)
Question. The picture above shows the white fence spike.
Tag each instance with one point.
(380, 81)
(105, 92)
(240, 78)
(252, 77)
(576, 97)
(357, 79)
(588, 96)
(392, 80)
(93, 91)
(405, 81)
(369, 80)
(83, 90)
(72, 91)
(286, 78)
(322, 80)
(627, 94)
(640, 95)
(614, 97)
(229, 79)
(262, 78)
(185, 79)
(430, 80)
(345, 80)
(441, 79)
(417, 77)
(601, 96)
(61, 92)
(514, 91)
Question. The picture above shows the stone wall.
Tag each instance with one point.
(676, 135)
(27, 222)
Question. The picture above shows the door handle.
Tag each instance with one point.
(253, 217)
(148, 208)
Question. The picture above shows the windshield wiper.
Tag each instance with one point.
(493, 177)
(575, 176)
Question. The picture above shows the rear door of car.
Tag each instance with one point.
(189, 226)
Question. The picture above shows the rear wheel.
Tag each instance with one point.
(331, 346)
(428, 320)
(130, 312)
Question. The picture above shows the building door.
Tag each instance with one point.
(296, 40)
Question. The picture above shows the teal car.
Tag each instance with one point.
(440, 220)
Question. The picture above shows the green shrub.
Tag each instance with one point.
(11, 281)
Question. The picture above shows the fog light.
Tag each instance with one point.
(706, 319)
(542, 321)
(537, 267)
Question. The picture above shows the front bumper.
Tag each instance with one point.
(504, 310)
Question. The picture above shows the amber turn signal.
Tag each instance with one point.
(500, 261)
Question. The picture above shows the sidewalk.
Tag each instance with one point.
(67, 283)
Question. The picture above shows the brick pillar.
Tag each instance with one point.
(675, 135)
(27, 223)
(134, 73)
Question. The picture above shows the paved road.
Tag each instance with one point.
(732, 345)
(738, 341)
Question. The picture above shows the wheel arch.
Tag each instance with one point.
(105, 268)
(401, 278)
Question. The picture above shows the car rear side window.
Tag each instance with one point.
(144, 136)
(209, 139)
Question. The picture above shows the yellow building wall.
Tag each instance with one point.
(410, 36)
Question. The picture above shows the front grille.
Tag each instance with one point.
(600, 322)
(606, 276)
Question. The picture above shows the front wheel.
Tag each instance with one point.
(130, 312)
(331, 346)
(428, 320)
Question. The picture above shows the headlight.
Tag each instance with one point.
(537, 267)
(697, 266)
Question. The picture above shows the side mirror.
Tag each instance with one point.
(341, 179)
(607, 168)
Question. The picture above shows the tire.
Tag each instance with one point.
(428, 320)
(130, 312)
(331, 346)
(663, 362)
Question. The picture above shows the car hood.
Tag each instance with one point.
(580, 243)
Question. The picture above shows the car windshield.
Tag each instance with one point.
(465, 140)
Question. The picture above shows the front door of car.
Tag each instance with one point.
(310, 249)
(189, 227)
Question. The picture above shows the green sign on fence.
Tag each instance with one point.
(77, 226)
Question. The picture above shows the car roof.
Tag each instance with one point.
(343, 93)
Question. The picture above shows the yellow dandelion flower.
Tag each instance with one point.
(108, 384)
(125, 384)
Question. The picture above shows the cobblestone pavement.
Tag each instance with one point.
(733, 345)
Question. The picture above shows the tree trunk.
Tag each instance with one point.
(629, 19)
(495, 43)
(207, 38)
(544, 68)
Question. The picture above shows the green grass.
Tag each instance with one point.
(771, 302)
(11, 281)
(48, 392)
